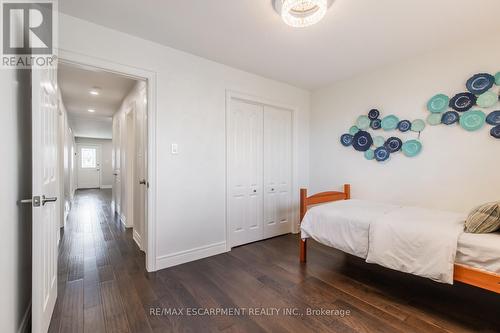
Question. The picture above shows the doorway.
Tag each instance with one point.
(89, 170)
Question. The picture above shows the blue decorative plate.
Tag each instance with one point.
(472, 120)
(412, 148)
(463, 102)
(497, 79)
(493, 118)
(378, 141)
(488, 99)
(393, 144)
(438, 103)
(418, 125)
(346, 140)
(390, 123)
(362, 141)
(363, 122)
(382, 154)
(404, 125)
(373, 114)
(376, 124)
(370, 154)
(434, 119)
(450, 117)
(353, 130)
(480, 83)
(495, 132)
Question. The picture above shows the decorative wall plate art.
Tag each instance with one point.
(376, 147)
(495, 132)
(450, 117)
(412, 148)
(438, 104)
(472, 120)
(493, 118)
(483, 93)
(434, 119)
(480, 83)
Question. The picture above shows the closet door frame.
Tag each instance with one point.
(230, 95)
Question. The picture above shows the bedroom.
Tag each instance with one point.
(245, 110)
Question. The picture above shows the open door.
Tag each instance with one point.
(45, 191)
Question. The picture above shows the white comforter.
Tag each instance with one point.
(409, 239)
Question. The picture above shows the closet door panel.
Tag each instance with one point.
(245, 169)
(277, 171)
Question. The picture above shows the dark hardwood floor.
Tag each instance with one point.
(103, 287)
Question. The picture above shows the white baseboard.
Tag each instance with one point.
(26, 319)
(182, 257)
(106, 186)
(137, 238)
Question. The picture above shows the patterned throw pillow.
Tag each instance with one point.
(484, 219)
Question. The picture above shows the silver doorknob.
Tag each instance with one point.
(35, 201)
(45, 199)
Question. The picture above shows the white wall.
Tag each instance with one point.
(66, 163)
(15, 177)
(190, 105)
(106, 154)
(456, 169)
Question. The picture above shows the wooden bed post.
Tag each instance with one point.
(303, 209)
(347, 191)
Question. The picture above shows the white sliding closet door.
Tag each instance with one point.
(245, 170)
(277, 171)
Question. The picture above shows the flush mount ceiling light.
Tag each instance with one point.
(95, 91)
(302, 13)
(91, 110)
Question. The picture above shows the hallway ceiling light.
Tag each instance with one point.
(91, 110)
(95, 91)
(302, 13)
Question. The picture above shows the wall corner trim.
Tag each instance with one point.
(182, 257)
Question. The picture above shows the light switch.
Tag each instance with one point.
(175, 149)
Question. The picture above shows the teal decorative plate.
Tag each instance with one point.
(390, 123)
(378, 141)
(438, 103)
(472, 120)
(412, 148)
(497, 79)
(363, 122)
(434, 119)
(353, 130)
(418, 125)
(488, 99)
(369, 154)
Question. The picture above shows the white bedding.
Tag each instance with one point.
(409, 239)
(344, 224)
(481, 251)
(417, 241)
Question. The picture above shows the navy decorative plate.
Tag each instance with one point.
(362, 141)
(376, 124)
(382, 154)
(346, 140)
(463, 102)
(495, 132)
(404, 125)
(450, 117)
(493, 118)
(480, 83)
(373, 114)
(393, 144)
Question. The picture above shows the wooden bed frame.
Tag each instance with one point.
(464, 274)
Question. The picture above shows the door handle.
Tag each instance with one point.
(115, 174)
(142, 182)
(35, 201)
(45, 199)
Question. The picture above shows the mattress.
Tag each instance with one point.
(481, 251)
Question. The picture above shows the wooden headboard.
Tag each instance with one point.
(322, 197)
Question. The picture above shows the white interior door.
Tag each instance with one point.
(45, 190)
(277, 171)
(89, 170)
(245, 141)
(141, 183)
(116, 191)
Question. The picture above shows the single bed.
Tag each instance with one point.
(348, 225)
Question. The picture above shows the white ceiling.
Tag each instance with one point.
(75, 84)
(355, 36)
